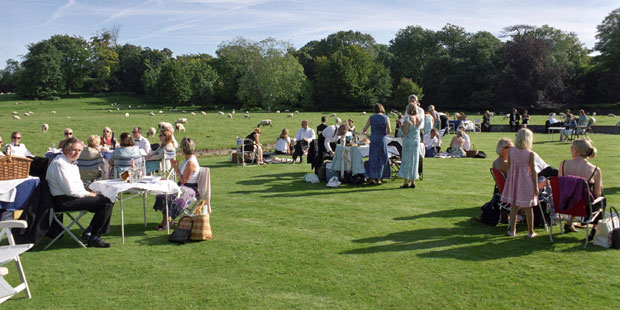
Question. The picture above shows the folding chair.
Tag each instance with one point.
(123, 164)
(500, 182)
(477, 125)
(87, 166)
(242, 150)
(582, 209)
(582, 132)
(204, 191)
(395, 159)
(66, 229)
(9, 253)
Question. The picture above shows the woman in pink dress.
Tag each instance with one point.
(521, 189)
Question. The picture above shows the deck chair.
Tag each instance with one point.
(395, 159)
(500, 182)
(9, 253)
(583, 209)
(249, 147)
(204, 192)
(87, 167)
(58, 218)
(582, 132)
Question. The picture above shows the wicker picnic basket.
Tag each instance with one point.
(13, 167)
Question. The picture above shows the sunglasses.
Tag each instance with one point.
(68, 133)
(18, 138)
(106, 131)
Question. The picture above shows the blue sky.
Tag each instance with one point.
(199, 26)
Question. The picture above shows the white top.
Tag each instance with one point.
(175, 143)
(539, 163)
(331, 136)
(420, 112)
(467, 142)
(552, 119)
(307, 133)
(18, 150)
(63, 178)
(428, 141)
(143, 143)
(193, 178)
(283, 144)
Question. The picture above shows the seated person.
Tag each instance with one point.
(139, 140)
(457, 144)
(467, 145)
(16, 148)
(502, 149)
(303, 138)
(252, 141)
(188, 182)
(107, 139)
(168, 126)
(124, 152)
(432, 140)
(553, 122)
(351, 126)
(68, 134)
(90, 152)
(583, 119)
(570, 125)
(579, 166)
(65, 185)
(166, 146)
(283, 143)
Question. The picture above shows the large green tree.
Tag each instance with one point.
(9, 76)
(608, 62)
(42, 75)
(104, 62)
(74, 55)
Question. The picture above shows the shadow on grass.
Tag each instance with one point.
(610, 191)
(462, 212)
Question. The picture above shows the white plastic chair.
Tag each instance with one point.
(477, 125)
(241, 151)
(9, 253)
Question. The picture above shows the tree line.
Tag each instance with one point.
(534, 67)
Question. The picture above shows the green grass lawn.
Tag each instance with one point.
(280, 243)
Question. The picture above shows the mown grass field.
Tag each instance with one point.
(280, 243)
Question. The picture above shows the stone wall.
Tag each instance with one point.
(541, 129)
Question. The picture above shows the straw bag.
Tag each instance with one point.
(608, 231)
(12, 167)
(201, 226)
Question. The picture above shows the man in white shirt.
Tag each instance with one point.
(303, 138)
(332, 134)
(17, 149)
(63, 177)
(140, 140)
(433, 140)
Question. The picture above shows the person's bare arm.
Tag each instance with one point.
(534, 173)
(366, 126)
(189, 169)
(598, 183)
(389, 126)
(405, 127)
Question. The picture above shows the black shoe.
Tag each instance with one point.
(412, 186)
(404, 186)
(86, 234)
(98, 243)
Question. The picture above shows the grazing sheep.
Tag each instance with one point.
(181, 121)
(193, 113)
(290, 115)
(118, 109)
(203, 113)
(16, 117)
(492, 113)
(333, 115)
(68, 117)
(109, 110)
(164, 125)
(507, 116)
(15, 113)
(611, 115)
(53, 112)
(30, 112)
(264, 123)
(129, 106)
(229, 115)
(593, 113)
(151, 113)
(183, 111)
(338, 120)
(296, 112)
(246, 115)
(160, 112)
(247, 112)
(26, 114)
(179, 127)
(363, 113)
(278, 112)
(151, 132)
(220, 113)
(45, 127)
(126, 114)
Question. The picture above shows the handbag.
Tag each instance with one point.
(182, 233)
(201, 226)
(605, 230)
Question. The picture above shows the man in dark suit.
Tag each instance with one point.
(515, 118)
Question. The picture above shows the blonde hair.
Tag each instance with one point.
(284, 133)
(502, 144)
(411, 109)
(93, 141)
(584, 148)
(524, 139)
(188, 146)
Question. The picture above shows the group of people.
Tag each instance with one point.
(522, 168)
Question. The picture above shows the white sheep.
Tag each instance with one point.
(333, 115)
(160, 112)
(118, 109)
(363, 113)
(181, 121)
(220, 113)
(179, 127)
(233, 111)
(193, 113)
(286, 111)
(203, 113)
(68, 117)
(129, 106)
(16, 117)
(593, 113)
(15, 113)
(507, 116)
(53, 112)
(45, 127)
(246, 115)
(290, 115)
(278, 112)
(151, 132)
(151, 113)
(164, 125)
(109, 110)
(229, 116)
(30, 112)
(338, 120)
(26, 114)
(126, 114)
(183, 111)
(264, 123)
(296, 112)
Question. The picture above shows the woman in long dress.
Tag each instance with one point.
(378, 156)
(411, 148)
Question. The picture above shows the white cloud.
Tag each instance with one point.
(60, 11)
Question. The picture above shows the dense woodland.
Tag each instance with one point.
(532, 67)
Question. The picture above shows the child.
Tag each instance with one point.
(521, 189)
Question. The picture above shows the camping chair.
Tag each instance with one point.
(395, 159)
(57, 217)
(247, 146)
(86, 166)
(204, 191)
(477, 125)
(123, 164)
(583, 208)
(11, 253)
(582, 132)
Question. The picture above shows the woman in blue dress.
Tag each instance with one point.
(411, 147)
(378, 162)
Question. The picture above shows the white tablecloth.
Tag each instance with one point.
(8, 188)
(111, 188)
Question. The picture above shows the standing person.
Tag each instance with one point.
(331, 135)
(486, 121)
(413, 99)
(411, 148)
(378, 156)
(303, 138)
(283, 143)
(321, 137)
(515, 118)
(583, 119)
(525, 118)
(17, 149)
(63, 178)
(428, 122)
(139, 140)
(399, 123)
(521, 189)
(68, 134)
(435, 115)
